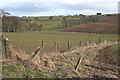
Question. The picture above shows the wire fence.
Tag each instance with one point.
(54, 46)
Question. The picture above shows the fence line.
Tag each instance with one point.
(60, 47)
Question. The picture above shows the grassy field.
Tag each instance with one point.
(47, 17)
(49, 25)
(32, 40)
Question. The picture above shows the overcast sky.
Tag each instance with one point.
(58, 7)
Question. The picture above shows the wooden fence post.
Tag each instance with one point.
(23, 47)
(90, 41)
(42, 46)
(79, 61)
(71, 45)
(68, 45)
(35, 53)
(26, 62)
(99, 40)
(80, 44)
(55, 46)
(85, 43)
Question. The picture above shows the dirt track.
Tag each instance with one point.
(106, 24)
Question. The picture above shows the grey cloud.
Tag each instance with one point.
(89, 6)
(28, 7)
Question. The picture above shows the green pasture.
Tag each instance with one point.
(30, 41)
(49, 25)
(43, 18)
(47, 17)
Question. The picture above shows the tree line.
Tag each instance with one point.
(17, 24)
(78, 21)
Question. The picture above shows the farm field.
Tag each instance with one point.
(106, 24)
(30, 41)
(49, 25)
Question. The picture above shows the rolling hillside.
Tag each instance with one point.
(106, 24)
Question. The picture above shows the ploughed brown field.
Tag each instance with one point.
(106, 24)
